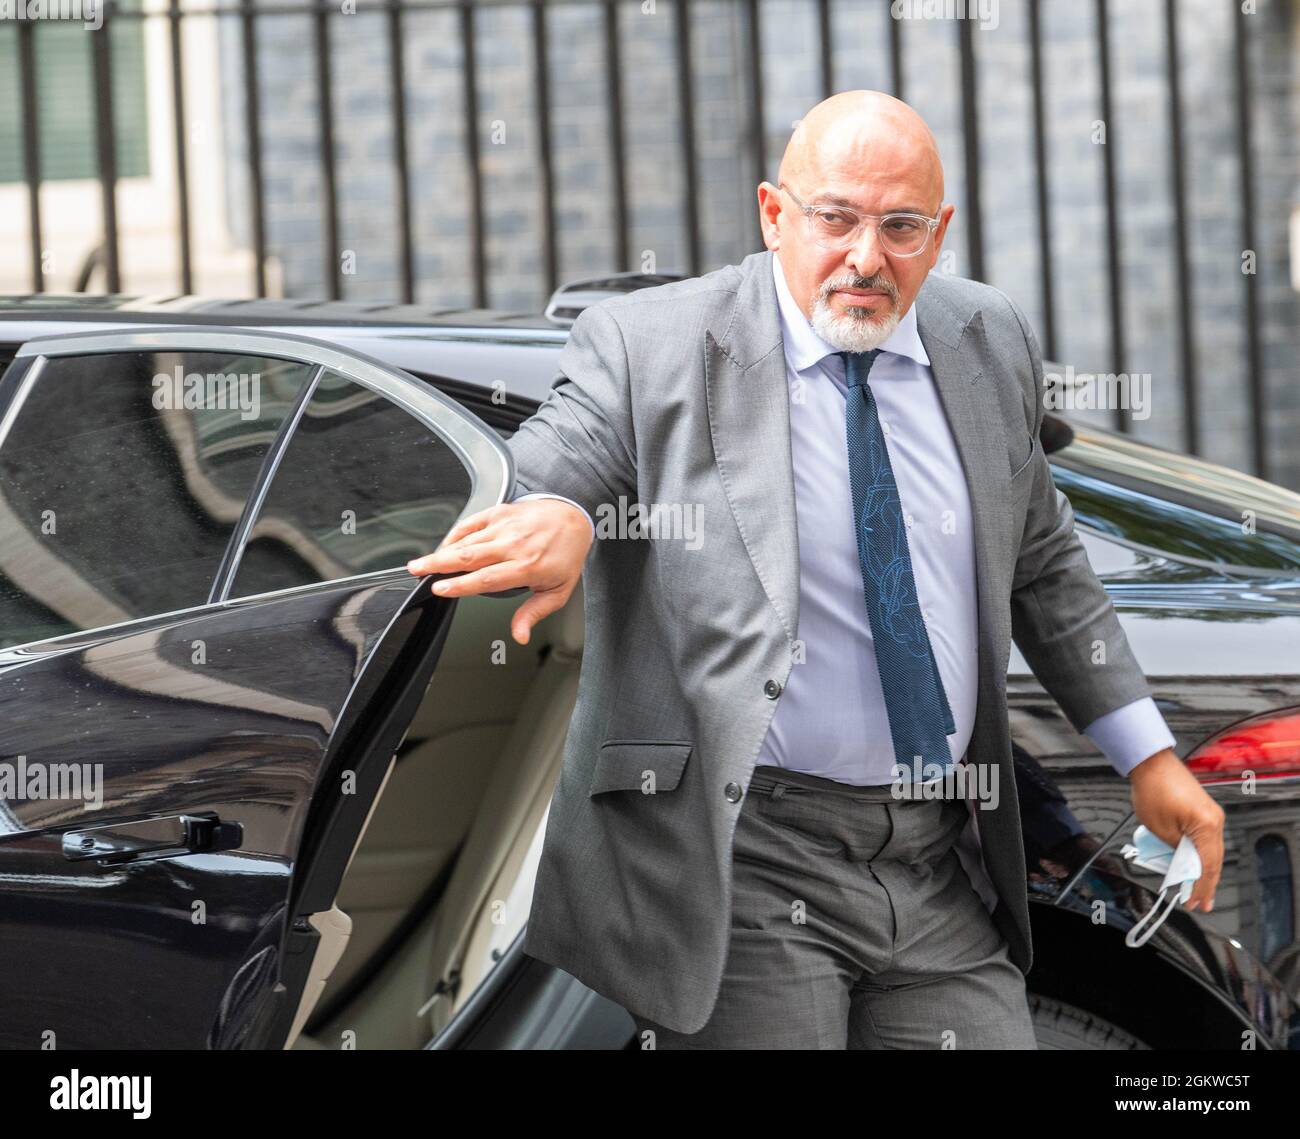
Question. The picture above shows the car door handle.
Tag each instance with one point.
(167, 837)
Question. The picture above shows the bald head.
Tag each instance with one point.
(855, 136)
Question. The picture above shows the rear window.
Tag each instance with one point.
(363, 486)
(118, 494)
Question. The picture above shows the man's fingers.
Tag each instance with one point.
(462, 557)
(489, 579)
(537, 606)
(465, 527)
(489, 533)
(1209, 848)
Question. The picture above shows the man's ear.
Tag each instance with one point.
(945, 216)
(769, 209)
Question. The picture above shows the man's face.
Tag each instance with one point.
(854, 296)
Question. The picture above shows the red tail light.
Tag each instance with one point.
(1268, 745)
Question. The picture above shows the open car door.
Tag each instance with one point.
(209, 651)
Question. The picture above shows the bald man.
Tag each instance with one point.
(787, 814)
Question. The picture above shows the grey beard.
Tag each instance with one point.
(849, 333)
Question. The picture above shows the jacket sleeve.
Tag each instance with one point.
(580, 443)
(1062, 619)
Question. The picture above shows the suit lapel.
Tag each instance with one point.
(974, 416)
(749, 421)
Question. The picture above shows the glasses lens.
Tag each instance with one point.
(903, 234)
(835, 227)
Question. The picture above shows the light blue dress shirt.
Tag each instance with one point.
(831, 719)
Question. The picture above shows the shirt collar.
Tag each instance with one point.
(804, 348)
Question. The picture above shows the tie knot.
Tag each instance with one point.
(857, 366)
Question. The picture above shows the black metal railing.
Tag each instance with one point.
(248, 13)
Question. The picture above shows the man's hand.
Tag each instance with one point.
(1170, 803)
(541, 544)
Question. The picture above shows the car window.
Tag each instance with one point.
(1180, 506)
(362, 486)
(123, 476)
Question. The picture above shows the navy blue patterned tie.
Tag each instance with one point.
(919, 717)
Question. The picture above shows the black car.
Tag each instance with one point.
(260, 788)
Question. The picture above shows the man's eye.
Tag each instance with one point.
(902, 227)
(835, 219)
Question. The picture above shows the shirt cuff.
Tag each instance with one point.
(1130, 734)
(542, 494)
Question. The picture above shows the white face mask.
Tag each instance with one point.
(1181, 868)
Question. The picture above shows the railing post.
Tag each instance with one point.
(1246, 197)
(253, 130)
(1041, 185)
(106, 145)
(971, 149)
(329, 186)
(824, 48)
(31, 147)
(686, 105)
(469, 80)
(1182, 262)
(182, 167)
(618, 158)
(757, 134)
(1118, 351)
(546, 181)
(405, 253)
(896, 84)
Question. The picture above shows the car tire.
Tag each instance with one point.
(1061, 1027)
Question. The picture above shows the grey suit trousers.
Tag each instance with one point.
(854, 925)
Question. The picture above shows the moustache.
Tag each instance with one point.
(885, 286)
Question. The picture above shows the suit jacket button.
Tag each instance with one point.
(733, 792)
(772, 689)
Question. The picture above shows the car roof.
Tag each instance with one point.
(462, 346)
(162, 308)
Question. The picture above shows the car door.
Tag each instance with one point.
(209, 652)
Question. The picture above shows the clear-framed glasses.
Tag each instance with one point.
(839, 227)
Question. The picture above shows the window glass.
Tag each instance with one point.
(1181, 506)
(65, 94)
(122, 479)
(1150, 517)
(362, 486)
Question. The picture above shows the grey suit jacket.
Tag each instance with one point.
(678, 395)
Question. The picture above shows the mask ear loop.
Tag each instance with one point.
(1169, 895)
(1133, 856)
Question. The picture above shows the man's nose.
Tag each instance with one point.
(866, 257)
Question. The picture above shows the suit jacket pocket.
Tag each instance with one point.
(1033, 454)
(1022, 482)
(626, 765)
